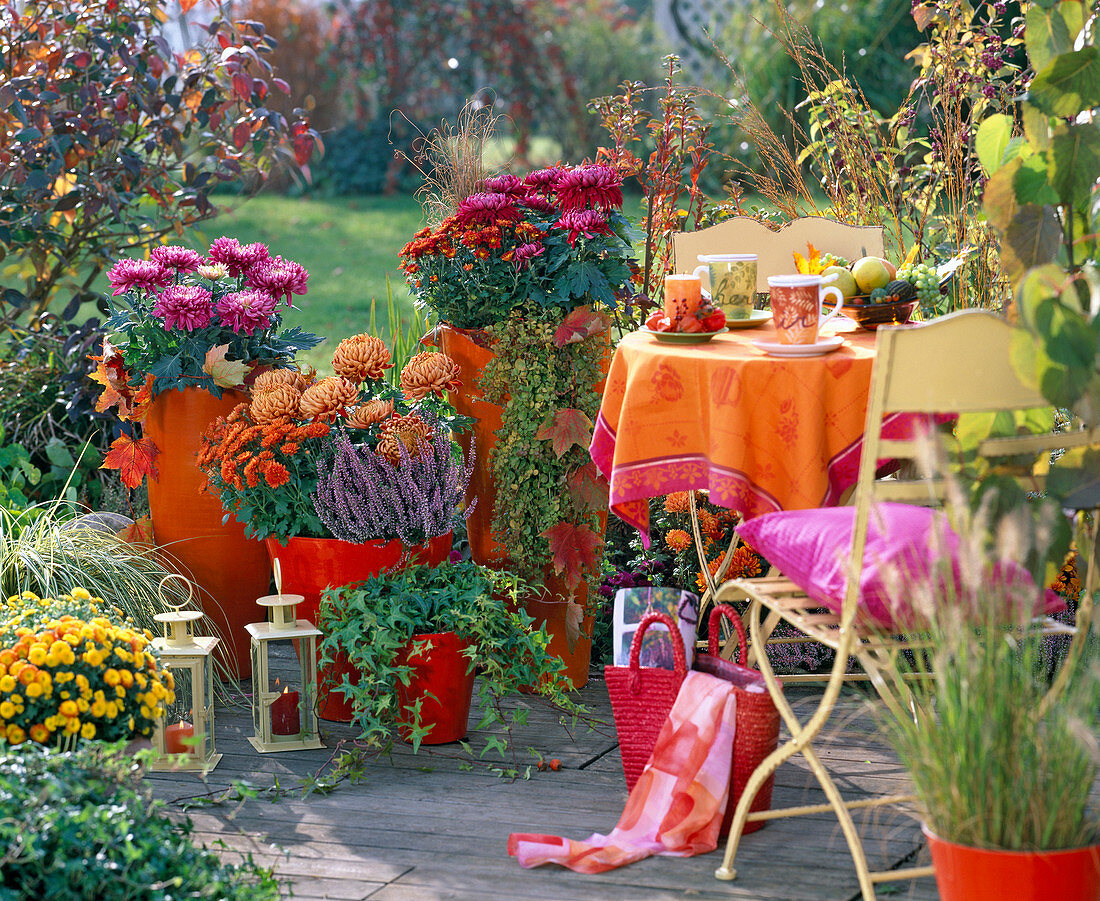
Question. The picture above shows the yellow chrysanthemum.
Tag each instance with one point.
(34, 690)
(111, 677)
(37, 654)
(15, 735)
(7, 684)
(72, 726)
(87, 730)
(93, 657)
(40, 733)
(120, 692)
(99, 708)
(7, 710)
(81, 594)
(68, 708)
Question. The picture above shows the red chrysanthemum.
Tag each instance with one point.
(590, 187)
(278, 277)
(544, 181)
(538, 203)
(523, 254)
(178, 259)
(487, 209)
(584, 222)
(246, 311)
(147, 275)
(504, 184)
(237, 258)
(186, 307)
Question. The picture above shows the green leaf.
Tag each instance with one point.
(1074, 162)
(1000, 198)
(992, 140)
(1069, 85)
(1036, 126)
(1051, 32)
(1032, 238)
(1032, 183)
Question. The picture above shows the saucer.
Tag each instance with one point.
(756, 317)
(822, 347)
(681, 337)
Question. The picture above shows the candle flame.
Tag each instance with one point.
(287, 689)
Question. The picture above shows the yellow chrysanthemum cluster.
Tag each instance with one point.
(65, 675)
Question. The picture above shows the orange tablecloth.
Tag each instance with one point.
(761, 433)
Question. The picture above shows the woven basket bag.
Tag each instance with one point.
(757, 719)
(642, 696)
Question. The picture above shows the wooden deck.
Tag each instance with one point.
(420, 828)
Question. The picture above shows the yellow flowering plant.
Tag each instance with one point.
(73, 667)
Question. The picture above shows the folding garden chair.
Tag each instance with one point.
(958, 364)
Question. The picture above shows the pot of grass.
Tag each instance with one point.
(1003, 766)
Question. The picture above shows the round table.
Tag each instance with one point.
(759, 432)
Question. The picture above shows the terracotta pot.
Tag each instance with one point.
(470, 401)
(442, 684)
(230, 569)
(310, 565)
(979, 874)
(549, 610)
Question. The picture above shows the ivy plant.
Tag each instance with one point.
(372, 621)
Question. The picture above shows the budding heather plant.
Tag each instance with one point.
(362, 496)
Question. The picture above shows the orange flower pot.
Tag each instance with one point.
(440, 681)
(979, 874)
(230, 570)
(310, 565)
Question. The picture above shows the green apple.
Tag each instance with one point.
(870, 273)
(844, 280)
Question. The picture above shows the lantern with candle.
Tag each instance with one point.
(186, 745)
(284, 720)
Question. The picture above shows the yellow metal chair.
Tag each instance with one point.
(958, 364)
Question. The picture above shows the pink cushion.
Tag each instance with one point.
(810, 547)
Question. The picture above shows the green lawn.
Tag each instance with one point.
(349, 246)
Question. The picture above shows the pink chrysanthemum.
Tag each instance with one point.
(178, 259)
(246, 311)
(504, 184)
(237, 257)
(545, 181)
(186, 307)
(278, 277)
(487, 209)
(584, 222)
(523, 254)
(590, 187)
(146, 275)
(538, 203)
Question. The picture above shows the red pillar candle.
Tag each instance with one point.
(284, 714)
(174, 737)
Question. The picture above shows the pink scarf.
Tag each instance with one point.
(677, 803)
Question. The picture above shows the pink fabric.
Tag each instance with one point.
(676, 807)
(810, 547)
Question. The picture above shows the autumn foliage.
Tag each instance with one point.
(111, 138)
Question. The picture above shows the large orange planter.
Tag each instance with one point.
(470, 401)
(310, 565)
(440, 681)
(230, 570)
(979, 874)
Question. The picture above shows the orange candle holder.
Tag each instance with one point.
(683, 294)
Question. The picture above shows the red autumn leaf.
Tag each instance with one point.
(575, 550)
(589, 487)
(143, 400)
(241, 134)
(581, 323)
(242, 85)
(185, 5)
(138, 532)
(566, 428)
(134, 458)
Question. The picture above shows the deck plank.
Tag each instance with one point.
(420, 828)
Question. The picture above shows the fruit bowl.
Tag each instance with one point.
(870, 316)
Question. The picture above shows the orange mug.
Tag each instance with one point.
(796, 306)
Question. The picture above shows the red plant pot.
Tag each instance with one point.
(441, 683)
(964, 873)
(230, 570)
(310, 565)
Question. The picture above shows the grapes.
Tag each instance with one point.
(923, 277)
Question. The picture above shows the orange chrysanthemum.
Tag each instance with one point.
(370, 413)
(276, 402)
(677, 502)
(410, 431)
(275, 474)
(325, 399)
(276, 378)
(429, 373)
(361, 358)
(678, 540)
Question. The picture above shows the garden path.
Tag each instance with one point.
(421, 828)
